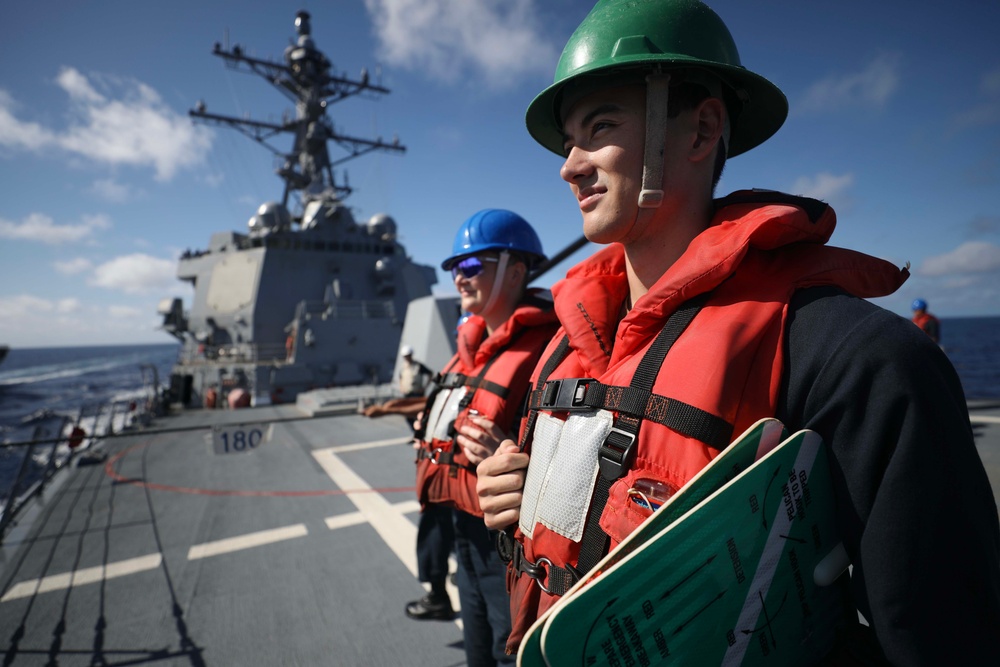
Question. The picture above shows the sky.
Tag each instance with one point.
(105, 180)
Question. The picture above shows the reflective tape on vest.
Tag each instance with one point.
(562, 472)
(442, 414)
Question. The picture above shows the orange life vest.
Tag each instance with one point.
(488, 374)
(923, 319)
(725, 369)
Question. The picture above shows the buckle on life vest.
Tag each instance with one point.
(616, 454)
(560, 579)
(534, 570)
(439, 456)
(453, 380)
(567, 394)
(505, 545)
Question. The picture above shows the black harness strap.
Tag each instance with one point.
(617, 453)
(456, 380)
(576, 394)
(480, 381)
(440, 457)
(507, 546)
(558, 354)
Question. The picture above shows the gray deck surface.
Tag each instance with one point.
(105, 573)
(314, 596)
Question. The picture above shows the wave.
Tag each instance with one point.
(64, 371)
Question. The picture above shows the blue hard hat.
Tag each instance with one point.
(918, 304)
(495, 229)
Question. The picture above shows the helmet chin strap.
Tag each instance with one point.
(651, 195)
(497, 281)
(657, 97)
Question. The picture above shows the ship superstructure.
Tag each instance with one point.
(307, 297)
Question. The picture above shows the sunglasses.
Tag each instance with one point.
(470, 267)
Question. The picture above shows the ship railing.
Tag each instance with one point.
(57, 441)
(233, 353)
(356, 309)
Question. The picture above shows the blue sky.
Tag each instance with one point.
(895, 120)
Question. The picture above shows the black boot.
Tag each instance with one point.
(431, 607)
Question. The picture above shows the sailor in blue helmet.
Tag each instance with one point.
(494, 232)
(927, 322)
(474, 405)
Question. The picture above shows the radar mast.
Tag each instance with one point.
(306, 79)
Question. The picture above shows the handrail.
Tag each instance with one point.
(31, 482)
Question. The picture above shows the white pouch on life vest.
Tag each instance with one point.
(562, 472)
(443, 413)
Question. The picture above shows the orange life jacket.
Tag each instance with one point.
(725, 369)
(488, 374)
(923, 319)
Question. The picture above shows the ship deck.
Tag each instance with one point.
(300, 551)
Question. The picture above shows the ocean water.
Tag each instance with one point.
(973, 345)
(65, 379)
(42, 390)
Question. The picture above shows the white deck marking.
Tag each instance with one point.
(395, 529)
(356, 518)
(247, 541)
(984, 419)
(389, 521)
(345, 520)
(369, 445)
(89, 575)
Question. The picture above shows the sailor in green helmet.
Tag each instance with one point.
(650, 99)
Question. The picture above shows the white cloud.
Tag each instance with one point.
(979, 115)
(497, 41)
(871, 87)
(18, 134)
(824, 186)
(968, 258)
(73, 266)
(990, 84)
(40, 227)
(18, 306)
(126, 124)
(78, 86)
(110, 190)
(135, 274)
(983, 113)
(126, 312)
(67, 306)
(25, 305)
(32, 321)
(215, 179)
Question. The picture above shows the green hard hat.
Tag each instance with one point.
(621, 39)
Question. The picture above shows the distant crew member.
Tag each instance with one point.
(927, 322)
(414, 376)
